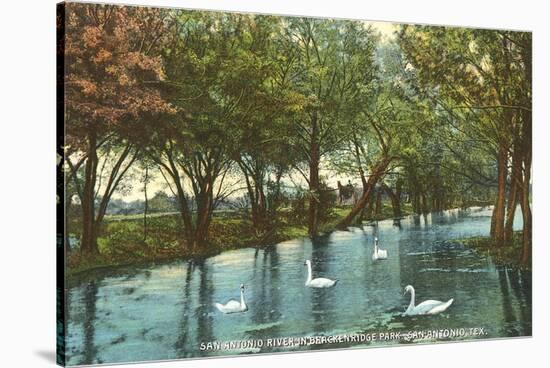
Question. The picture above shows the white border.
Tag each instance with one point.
(27, 181)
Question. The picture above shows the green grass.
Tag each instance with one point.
(122, 240)
(504, 255)
(386, 212)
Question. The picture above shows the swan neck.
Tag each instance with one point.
(243, 303)
(411, 304)
(309, 276)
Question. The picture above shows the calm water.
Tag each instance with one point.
(165, 311)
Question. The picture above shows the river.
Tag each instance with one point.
(165, 311)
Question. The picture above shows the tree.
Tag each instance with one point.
(162, 202)
(110, 52)
(486, 73)
(214, 73)
(145, 180)
(331, 64)
(263, 149)
(382, 129)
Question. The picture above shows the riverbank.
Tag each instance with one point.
(125, 242)
(507, 255)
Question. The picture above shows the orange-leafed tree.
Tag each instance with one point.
(112, 59)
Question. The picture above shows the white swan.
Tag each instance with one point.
(233, 306)
(378, 253)
(319, 282)
(427, 307)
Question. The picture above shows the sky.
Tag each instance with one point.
(386, 29)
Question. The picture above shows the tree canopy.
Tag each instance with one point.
(272, 111)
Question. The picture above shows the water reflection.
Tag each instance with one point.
(322, 304)
(165, 311)
(202, 313)
(183, 338)
(265, 312)
(518, 319)
(508, 311)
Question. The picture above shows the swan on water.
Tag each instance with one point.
(319, 282)
(378, 253)
(233, 306)
(427, 307)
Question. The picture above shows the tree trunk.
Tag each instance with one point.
(424, 203)
(369, 208)
(261, 221)
(395, 198)
(416, 203)
(205, 204)
(378, 210)
(315, 158)
(514, 195)
(414, 191)
(497, 220)
(527, 218)
(374, 177)
(276, 201)
(203, 225)
(525, 206)
(251, 197)
(254, 178)
(259, 217)
(146, 203)
(359, 164)
(183, 206)
(89, 231)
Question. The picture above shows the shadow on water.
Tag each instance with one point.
(510, 318)
(267, 274)
(196, 323)
(518, 323)
(521, 284)
(264, 308)
(202, 313)
(90, 298)
(183, 337)
(321, 298)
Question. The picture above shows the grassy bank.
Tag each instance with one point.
(505, 255)
(124, 242)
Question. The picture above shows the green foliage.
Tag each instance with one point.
(224, 105)
(299, 204)
(506, 255)
(477, 87)
(161, 202)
